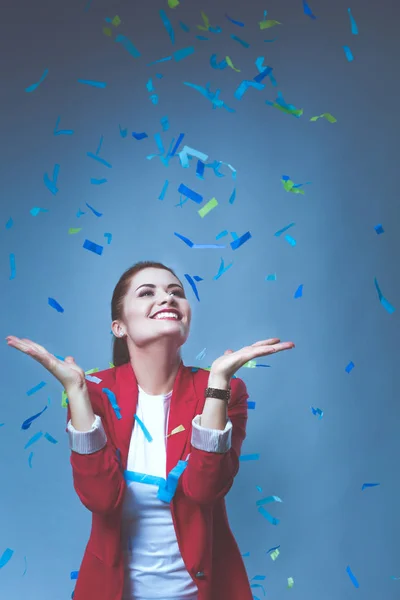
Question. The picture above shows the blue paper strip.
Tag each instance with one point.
(163, 191)
(35, 389)
(54, 304)
(245, 44)
(238, 23)
(348, 53)
(354, 28)
(352, 577)
(139, 136)
(241, 240)
(167, 25)
(98, 84)
(113, 401)
(183, 53)
(100, 160)
(186, 191)
(127, 44)
(88, 245)
(144, 429)
(7, 554)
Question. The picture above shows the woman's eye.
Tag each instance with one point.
(179, 292)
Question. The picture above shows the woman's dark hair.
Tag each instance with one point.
(120, 346)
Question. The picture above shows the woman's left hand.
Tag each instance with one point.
(230, 362)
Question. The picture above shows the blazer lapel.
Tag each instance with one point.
(182, 411)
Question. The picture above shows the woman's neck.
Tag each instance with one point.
(155, 374)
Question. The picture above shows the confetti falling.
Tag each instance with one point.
(195, 173)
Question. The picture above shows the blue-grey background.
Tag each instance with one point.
(316, 466)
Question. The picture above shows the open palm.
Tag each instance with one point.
(68, 373)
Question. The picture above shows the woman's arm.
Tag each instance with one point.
(96, 471)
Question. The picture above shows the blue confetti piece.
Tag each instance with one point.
(233, 196)
(244, 44)
(88, 245)
(273, 40)
(12, 267)
(290, 240)
(164, 123)
(95, 181)
(154, 98)
(348, 53)
(139, 136)
(97, 84)
(108, 237)
(33, 439)
(61, 131)
(98, 214)
(186, 191)
(251, 404)
(100, 145)
(74, 575)
(349, 367)
(222, 269)
(379, 229)
(238, 23)
(51, 184)
(299, 292)
(33, 87)
(123, 132)
(100, 160)
(352, 577)
(159, 60)
(201, 37)
(240, 241)
(200, 169)
(385, 303)
(184, 27)
(269, 517)
(183, 53)
(178, 142)
(213, 62)
(6, 556)
(273, 549)
(127, 44)
(258, 78)
(167, 25)
(247, 457)
(50, 438)
(113, 401)
(354, 28)
(307, 10)
(317, 411)
(35, 389)
(245, 85)
(368, 485)
(144, 429)
(26, 424)
(163, 191)
(149, 85)
(278, 233)
(192, 285)
(9, 223)
(54, 304)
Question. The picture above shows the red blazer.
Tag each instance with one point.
(207, 545)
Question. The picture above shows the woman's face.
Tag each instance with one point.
(152, 290)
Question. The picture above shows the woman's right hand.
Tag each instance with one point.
(67, 372)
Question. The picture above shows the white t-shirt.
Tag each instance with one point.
(154, 568)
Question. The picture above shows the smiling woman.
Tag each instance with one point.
(155, 448)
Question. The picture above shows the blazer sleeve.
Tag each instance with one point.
(209, 476)
(97, 477)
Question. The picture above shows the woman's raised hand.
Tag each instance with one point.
(67, 372)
